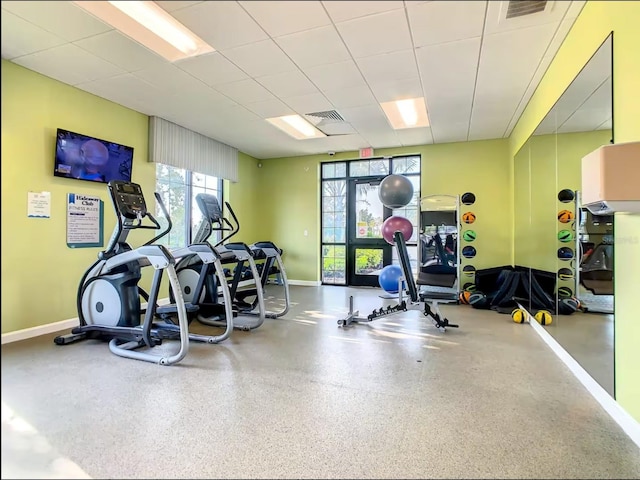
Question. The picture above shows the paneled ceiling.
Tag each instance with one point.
(476, 68)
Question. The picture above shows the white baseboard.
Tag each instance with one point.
(630, 426)
(26, 333)
(305, 283)
(68, 324)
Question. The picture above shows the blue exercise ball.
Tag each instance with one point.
(389, 277)
(396, 191)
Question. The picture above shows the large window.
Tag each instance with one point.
(178, 188)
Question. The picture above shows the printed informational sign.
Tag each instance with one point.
(39, 204)
(85, 217)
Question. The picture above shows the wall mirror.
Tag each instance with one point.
(567, 251)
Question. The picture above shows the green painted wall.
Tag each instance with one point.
(592, 26)
(40, 273)
(244, 200)
(290, 196)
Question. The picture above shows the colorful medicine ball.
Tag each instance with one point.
(464, 297)
(469, 252)
(566, 274)
(543, 317)
(570, 304)
(566, 195)
(565, 216)
(518, 315)
(565, 236)
(469, 287)
(469, 236)
(565, 292)
(468, 217)
(468, 198)
(478, 300)
(469, 270)
(565, 253)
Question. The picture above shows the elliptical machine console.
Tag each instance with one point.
(108, 298)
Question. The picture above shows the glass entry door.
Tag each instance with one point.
(368, 253)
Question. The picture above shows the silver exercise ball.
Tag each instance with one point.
(396, 191)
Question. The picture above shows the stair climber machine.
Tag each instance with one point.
(108, 298)
(236, 256)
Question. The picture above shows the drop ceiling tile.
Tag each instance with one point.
(376, 34)
(288, 84)
(64, 19)
(121, 51)
(351, 97)
(414, 136)
(388, 66)
(313, 102)
(450, 132)
(365, 117)
(283, 17)
(397, 90)
(245, 91)
(173, 5)
(380, 138)
(222, 25)
(270, 108)
(319, 46)
(350, 142)
(347, 10)
(69, 64)
(510, 59)
(127, 90)
(213, 69)
(169, 78)
(335, 76)
(20, 37)
(440, 22)
(260, 58)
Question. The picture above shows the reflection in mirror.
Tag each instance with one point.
(569, 250)
(439, 250)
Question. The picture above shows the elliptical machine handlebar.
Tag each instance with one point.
(165, 212)
(233, 229)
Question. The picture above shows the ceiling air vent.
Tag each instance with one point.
(330, 123)
(328, 114)
(520, 8)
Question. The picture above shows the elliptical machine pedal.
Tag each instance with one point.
(69, 338)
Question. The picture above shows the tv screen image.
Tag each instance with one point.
(88, 158)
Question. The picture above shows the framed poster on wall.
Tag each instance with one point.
(85, 219)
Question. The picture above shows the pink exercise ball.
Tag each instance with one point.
(394, 224)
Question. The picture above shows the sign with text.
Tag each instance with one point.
(85, 217)
(39, 204)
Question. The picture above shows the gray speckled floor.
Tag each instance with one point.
(302, 398)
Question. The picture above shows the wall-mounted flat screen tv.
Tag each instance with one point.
(88, 158)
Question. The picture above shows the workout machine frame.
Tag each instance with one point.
(414, 302)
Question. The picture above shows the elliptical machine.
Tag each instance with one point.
(269, 262)
(191, 276)
(108, 298)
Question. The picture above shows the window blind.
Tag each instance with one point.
(180, 147)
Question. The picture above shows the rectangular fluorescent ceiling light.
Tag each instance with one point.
(407, 113)
(296, 126)
(150, 25)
